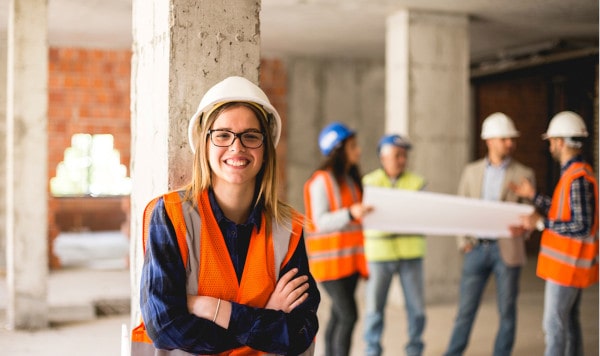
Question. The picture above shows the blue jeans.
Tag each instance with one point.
(410, 273)
(344, 313)
(561, 320)
(479, 264)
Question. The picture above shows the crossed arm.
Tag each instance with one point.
(289, 293)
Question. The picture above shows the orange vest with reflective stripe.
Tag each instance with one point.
(339, 254)
(214, 274)
(562, 259)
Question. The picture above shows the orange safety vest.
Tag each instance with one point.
(338, 254)
(565, 260)
(212, 274)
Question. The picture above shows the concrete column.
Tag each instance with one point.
(3, 87)
(324, 90)
(180, 49)
(427, 88)
(26, 158)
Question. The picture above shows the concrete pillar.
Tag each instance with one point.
(3, 54)
(324, 90)
(180, 49)
(427, 88)
(26, 158)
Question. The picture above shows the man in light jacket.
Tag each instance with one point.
(489, 178)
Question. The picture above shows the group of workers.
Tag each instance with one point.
(568, 253)
(231, 269)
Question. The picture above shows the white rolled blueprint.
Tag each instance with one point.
(426, 213)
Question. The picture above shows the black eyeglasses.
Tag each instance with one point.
(225, 138)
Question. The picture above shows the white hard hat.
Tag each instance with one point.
(498, 125)
(233, 89)
(566, 124)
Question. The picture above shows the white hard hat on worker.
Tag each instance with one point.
(498, 125)
(234, 89)
(566, 124)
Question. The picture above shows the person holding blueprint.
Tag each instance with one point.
(489, 178)
(568, 258)
(390, 254)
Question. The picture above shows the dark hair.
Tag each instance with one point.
(337, 161)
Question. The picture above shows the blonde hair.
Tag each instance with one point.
(267, 179)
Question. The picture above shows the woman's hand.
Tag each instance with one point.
(289, 292)
(358, 210)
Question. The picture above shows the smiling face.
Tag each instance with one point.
(235, 165)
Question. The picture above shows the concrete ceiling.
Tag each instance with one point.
(350, 28)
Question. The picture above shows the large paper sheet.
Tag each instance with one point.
(427, 213)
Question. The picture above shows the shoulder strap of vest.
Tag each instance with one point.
(173, 206)
(146, 221)
(560, 207)
(285, 241)
(281, 242)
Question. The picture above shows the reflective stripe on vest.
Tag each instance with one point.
(382, 245)
(199, 260)
(569, 261)
(338, 254)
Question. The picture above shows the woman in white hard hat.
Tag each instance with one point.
(334, 238)
(225, 267)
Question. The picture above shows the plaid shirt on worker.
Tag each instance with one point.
(583, 202)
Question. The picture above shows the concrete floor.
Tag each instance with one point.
(77, 295)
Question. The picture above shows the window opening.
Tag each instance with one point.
(91, 167)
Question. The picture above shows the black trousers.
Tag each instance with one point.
(343, 316)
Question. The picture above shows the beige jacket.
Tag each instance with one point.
(512, 250)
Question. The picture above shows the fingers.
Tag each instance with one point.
(284, 280)
(299, 288)
(297, 302)
(296, 282)
(297, 297)
(523, 189)
(359, 210)
(290, 292)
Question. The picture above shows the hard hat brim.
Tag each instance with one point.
(487, 137)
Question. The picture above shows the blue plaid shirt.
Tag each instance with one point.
(164, 300)
(583, 206)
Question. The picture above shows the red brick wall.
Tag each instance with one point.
(273, 80)
(88, 92)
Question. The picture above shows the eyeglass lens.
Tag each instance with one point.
(225, 138)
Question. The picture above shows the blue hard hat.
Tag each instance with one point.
(395, 140)
(332, 136)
